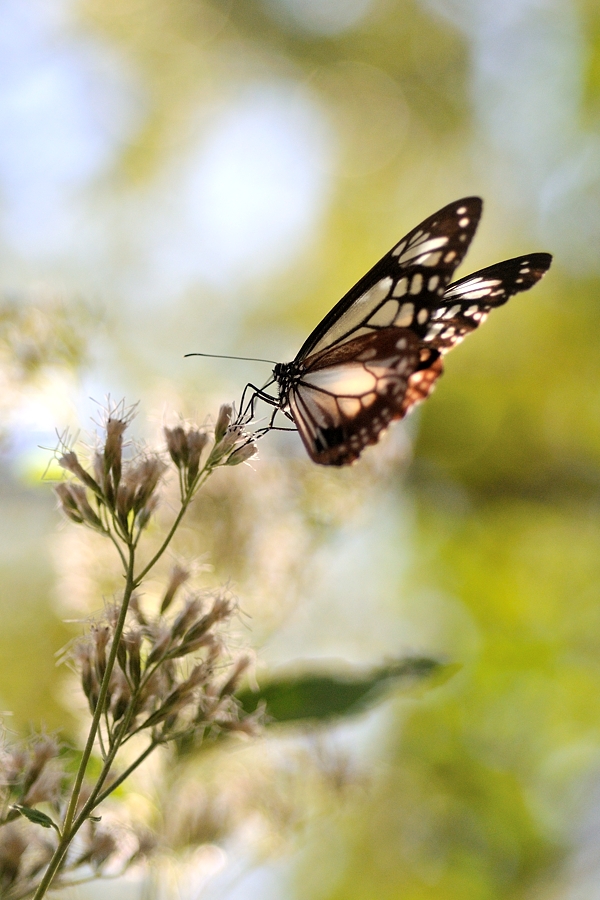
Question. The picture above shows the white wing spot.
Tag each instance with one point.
(416, 284)
(421, 245)
(368, 399)
(350, 406)
(448, 332)
(464, 222)
(431, 259)
(399, 248)
(401, 288)
(477, 295)
(347, 380)
(433, 331)
(471, 310)
(450, 255)
(405, 316)
(451, 312)
(461, 210)
(422, 316)
(385, 315)
(401, 344)
(524, 271)
(433, 282)
(367, 354)
(473, 288)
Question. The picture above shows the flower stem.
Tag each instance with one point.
(68, 830)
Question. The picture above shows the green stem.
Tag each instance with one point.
(68, 830)
(100, 798)
(139, 578)
(202, 476)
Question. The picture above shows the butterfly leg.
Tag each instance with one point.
(272, 427)
(247, 408)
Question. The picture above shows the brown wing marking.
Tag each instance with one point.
(421, 384)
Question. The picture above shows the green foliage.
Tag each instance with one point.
(321, 697)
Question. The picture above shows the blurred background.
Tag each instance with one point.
(212, 175)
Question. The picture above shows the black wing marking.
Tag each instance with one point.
(346, 399)
(467, 302)
(403, 287)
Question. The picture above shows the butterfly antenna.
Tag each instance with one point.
(221, 356)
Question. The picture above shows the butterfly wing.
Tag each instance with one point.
(378, 352)
(404, 286)
(466, 303)
(344, 400)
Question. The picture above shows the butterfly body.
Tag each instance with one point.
(379, 351)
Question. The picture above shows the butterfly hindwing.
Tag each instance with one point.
(345, 398)
(402, 288)
(466, 303)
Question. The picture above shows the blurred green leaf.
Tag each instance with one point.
(37, 817)
(313, 695)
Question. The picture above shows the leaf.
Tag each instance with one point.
(35, 816)
(323, 696)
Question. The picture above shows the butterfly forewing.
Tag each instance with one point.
(466, 303)
(403, 287)
(343, 400)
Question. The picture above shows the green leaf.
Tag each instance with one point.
(35, 816)
(328, 695)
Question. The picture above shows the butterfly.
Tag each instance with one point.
(379, 351)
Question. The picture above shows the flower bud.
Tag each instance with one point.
(223, 420)
(113, 448)
(145, 514)
(232, 682)
(85, 510)
(178, 577)
(177, 445)
(100, 637)
(242, 454)
(185, 618)
(134, 643)
(196, 442)
(70, 462)
(44, 749)
(68, 503)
